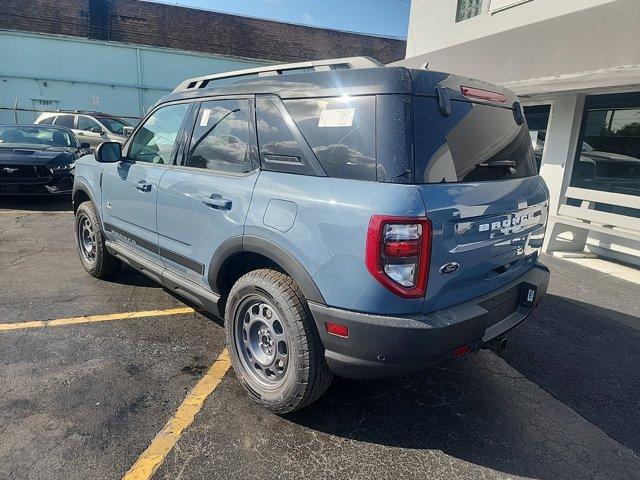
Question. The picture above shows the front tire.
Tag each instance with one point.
(275, 349)
(90, 243)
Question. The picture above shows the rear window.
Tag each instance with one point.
(475, 143)
(341, 133)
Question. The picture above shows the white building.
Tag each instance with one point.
(576, 66)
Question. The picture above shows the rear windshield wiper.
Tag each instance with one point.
(498, 164)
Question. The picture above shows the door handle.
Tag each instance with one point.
(143, 186)
(217, 202)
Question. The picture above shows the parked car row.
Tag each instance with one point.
(40, 158)
(91, 127)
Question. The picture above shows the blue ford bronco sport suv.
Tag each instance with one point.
(343, 217)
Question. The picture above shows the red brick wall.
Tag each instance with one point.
(170, 26)
(63, 17)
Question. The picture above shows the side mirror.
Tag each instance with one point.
(127, 131)
(109, 152)
(85, 145)
(96, 130)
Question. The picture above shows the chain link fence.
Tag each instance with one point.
(26, 116)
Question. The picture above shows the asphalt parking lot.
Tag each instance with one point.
(83, 398)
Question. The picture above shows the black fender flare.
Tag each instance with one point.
(270, 250)
(81, 186)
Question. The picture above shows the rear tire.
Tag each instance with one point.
(90, 243)
(275, 348)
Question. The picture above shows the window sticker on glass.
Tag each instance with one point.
(339, 117)
(204, 121)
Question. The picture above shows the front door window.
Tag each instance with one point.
(154, 142)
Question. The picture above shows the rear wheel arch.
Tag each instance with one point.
(240, 255)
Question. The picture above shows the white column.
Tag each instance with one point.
(557, 161)
(560, 145)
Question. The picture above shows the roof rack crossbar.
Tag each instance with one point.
(271, 70)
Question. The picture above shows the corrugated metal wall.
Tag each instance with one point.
(50, 72)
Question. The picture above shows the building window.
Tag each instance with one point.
(538, 120)
(608, 157)
(467, 9)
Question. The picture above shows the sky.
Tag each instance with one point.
(380, 17)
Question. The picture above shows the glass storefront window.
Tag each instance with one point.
(608, 157)
(538, 120)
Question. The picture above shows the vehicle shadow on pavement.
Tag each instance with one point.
(133, 278)
(37, 203)
(588, 357)
(481, 410)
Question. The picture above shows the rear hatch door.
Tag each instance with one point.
(475, 168)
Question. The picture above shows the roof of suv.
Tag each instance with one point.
(367, 81)
(366, 78)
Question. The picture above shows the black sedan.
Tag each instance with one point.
(38, 159)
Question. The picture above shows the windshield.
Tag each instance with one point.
(114, 125)
(36, 135)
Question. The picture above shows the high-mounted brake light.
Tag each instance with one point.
(398, 251)
(486, 95)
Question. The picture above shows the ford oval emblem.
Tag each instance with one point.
(449, 268)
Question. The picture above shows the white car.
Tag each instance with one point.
(93, 128)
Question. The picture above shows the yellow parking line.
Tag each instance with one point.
(93, 318)
(29, 212)
(149, 461)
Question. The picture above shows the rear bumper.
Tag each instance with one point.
(382, 346)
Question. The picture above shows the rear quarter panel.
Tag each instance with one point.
(328, 233)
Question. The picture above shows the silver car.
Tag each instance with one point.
(93, 128)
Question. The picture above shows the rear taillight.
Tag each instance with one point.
(397, 255)
(486, 95)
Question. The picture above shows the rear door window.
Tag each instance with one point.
(89, 125)
(221, 138)
(476, 143)
(64, 121)
(341, 133)
(282, 149)
(47, 121)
